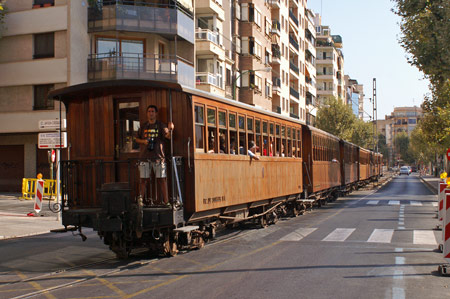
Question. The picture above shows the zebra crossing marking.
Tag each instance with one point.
(424, 237)
(394, 202)
(298, 234)
(381, 236)
(415, 203)
(339, 235)
(373, 202)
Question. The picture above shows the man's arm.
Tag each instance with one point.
(168, 129)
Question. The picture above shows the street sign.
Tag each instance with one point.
(52, 125)
(52, 140)
(53, 156)
(448, 154)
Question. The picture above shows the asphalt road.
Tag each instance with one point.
(367, 245)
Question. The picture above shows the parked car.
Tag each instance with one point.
(404, 170)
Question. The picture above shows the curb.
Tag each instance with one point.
(24, 235)
(429, 186)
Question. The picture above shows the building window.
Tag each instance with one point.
(41, 102)
(43, 3)
(44, 45)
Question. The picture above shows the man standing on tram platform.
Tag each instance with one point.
(152, 138)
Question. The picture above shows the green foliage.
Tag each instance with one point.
(401, 143)
(426, 35)
(3, 10)
(338, 119)
(382, 146)
(426, 38)
(420, 148)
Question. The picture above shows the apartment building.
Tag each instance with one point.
(35, 58)
(260, 52)
(355, 96)
(310, 70)
(329, 63)
(402, 119)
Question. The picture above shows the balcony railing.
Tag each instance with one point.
(112, 66)
(276, 82)
(205, 78)
(276, 53)
(293, 17)
(293, 115)
(276, 26)
(141, 17)
(294, 68)
(293, 42)
(206, 34)
(294, 93)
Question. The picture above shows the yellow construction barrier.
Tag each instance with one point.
(29, 188)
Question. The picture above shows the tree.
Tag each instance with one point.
(382, 146)
(338, 119)
(401, 143)
(420, 147)
(426, 35)
(362, 134)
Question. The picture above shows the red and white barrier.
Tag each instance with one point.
(446, 228)
(39, 195)
(441, 197)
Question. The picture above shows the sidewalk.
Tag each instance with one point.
(431, 182)
(14, 222)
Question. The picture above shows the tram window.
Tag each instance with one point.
(233, 133)
(283, 142)
(258, 136)
(199, 127)
(289, 142)
(265, 139)
(242, 135)
(299, 144)
(212, 131)
(271, 129)
(223, 136)
(250, 132)
(128, 126)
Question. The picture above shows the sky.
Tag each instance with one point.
(370, 33)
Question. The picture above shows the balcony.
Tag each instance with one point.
(293, 115)
(276, 27)
(275, 3)
(140, 66)
(293, 17)
(276, 87)
(276, 54)
(209, 42)
(294, 93)
(210, 83)
(149, 18)
(294, 68)
(293, 42)
(209, 7)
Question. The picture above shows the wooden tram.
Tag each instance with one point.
(212, 180)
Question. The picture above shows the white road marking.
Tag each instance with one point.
(401, 227)
(381, 236)
(399, 260)
(415, 203)
(401, 223)
(424, 237)
(339, 234)
(298, 234)
(373, 202)
(434, 204)
(398, 274)
(394, 202)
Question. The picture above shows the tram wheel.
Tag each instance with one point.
(170, 248)
(263, 221)
(120, 246)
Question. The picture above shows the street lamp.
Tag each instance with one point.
(266, 69)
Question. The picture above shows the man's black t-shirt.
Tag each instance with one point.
(155, 134)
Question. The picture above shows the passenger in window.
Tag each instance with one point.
(152, 137)
(252, 151)
(222, 143)
(233, 146)
(211, 143)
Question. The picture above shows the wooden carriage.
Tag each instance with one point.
(349, 160)
(322, 167)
